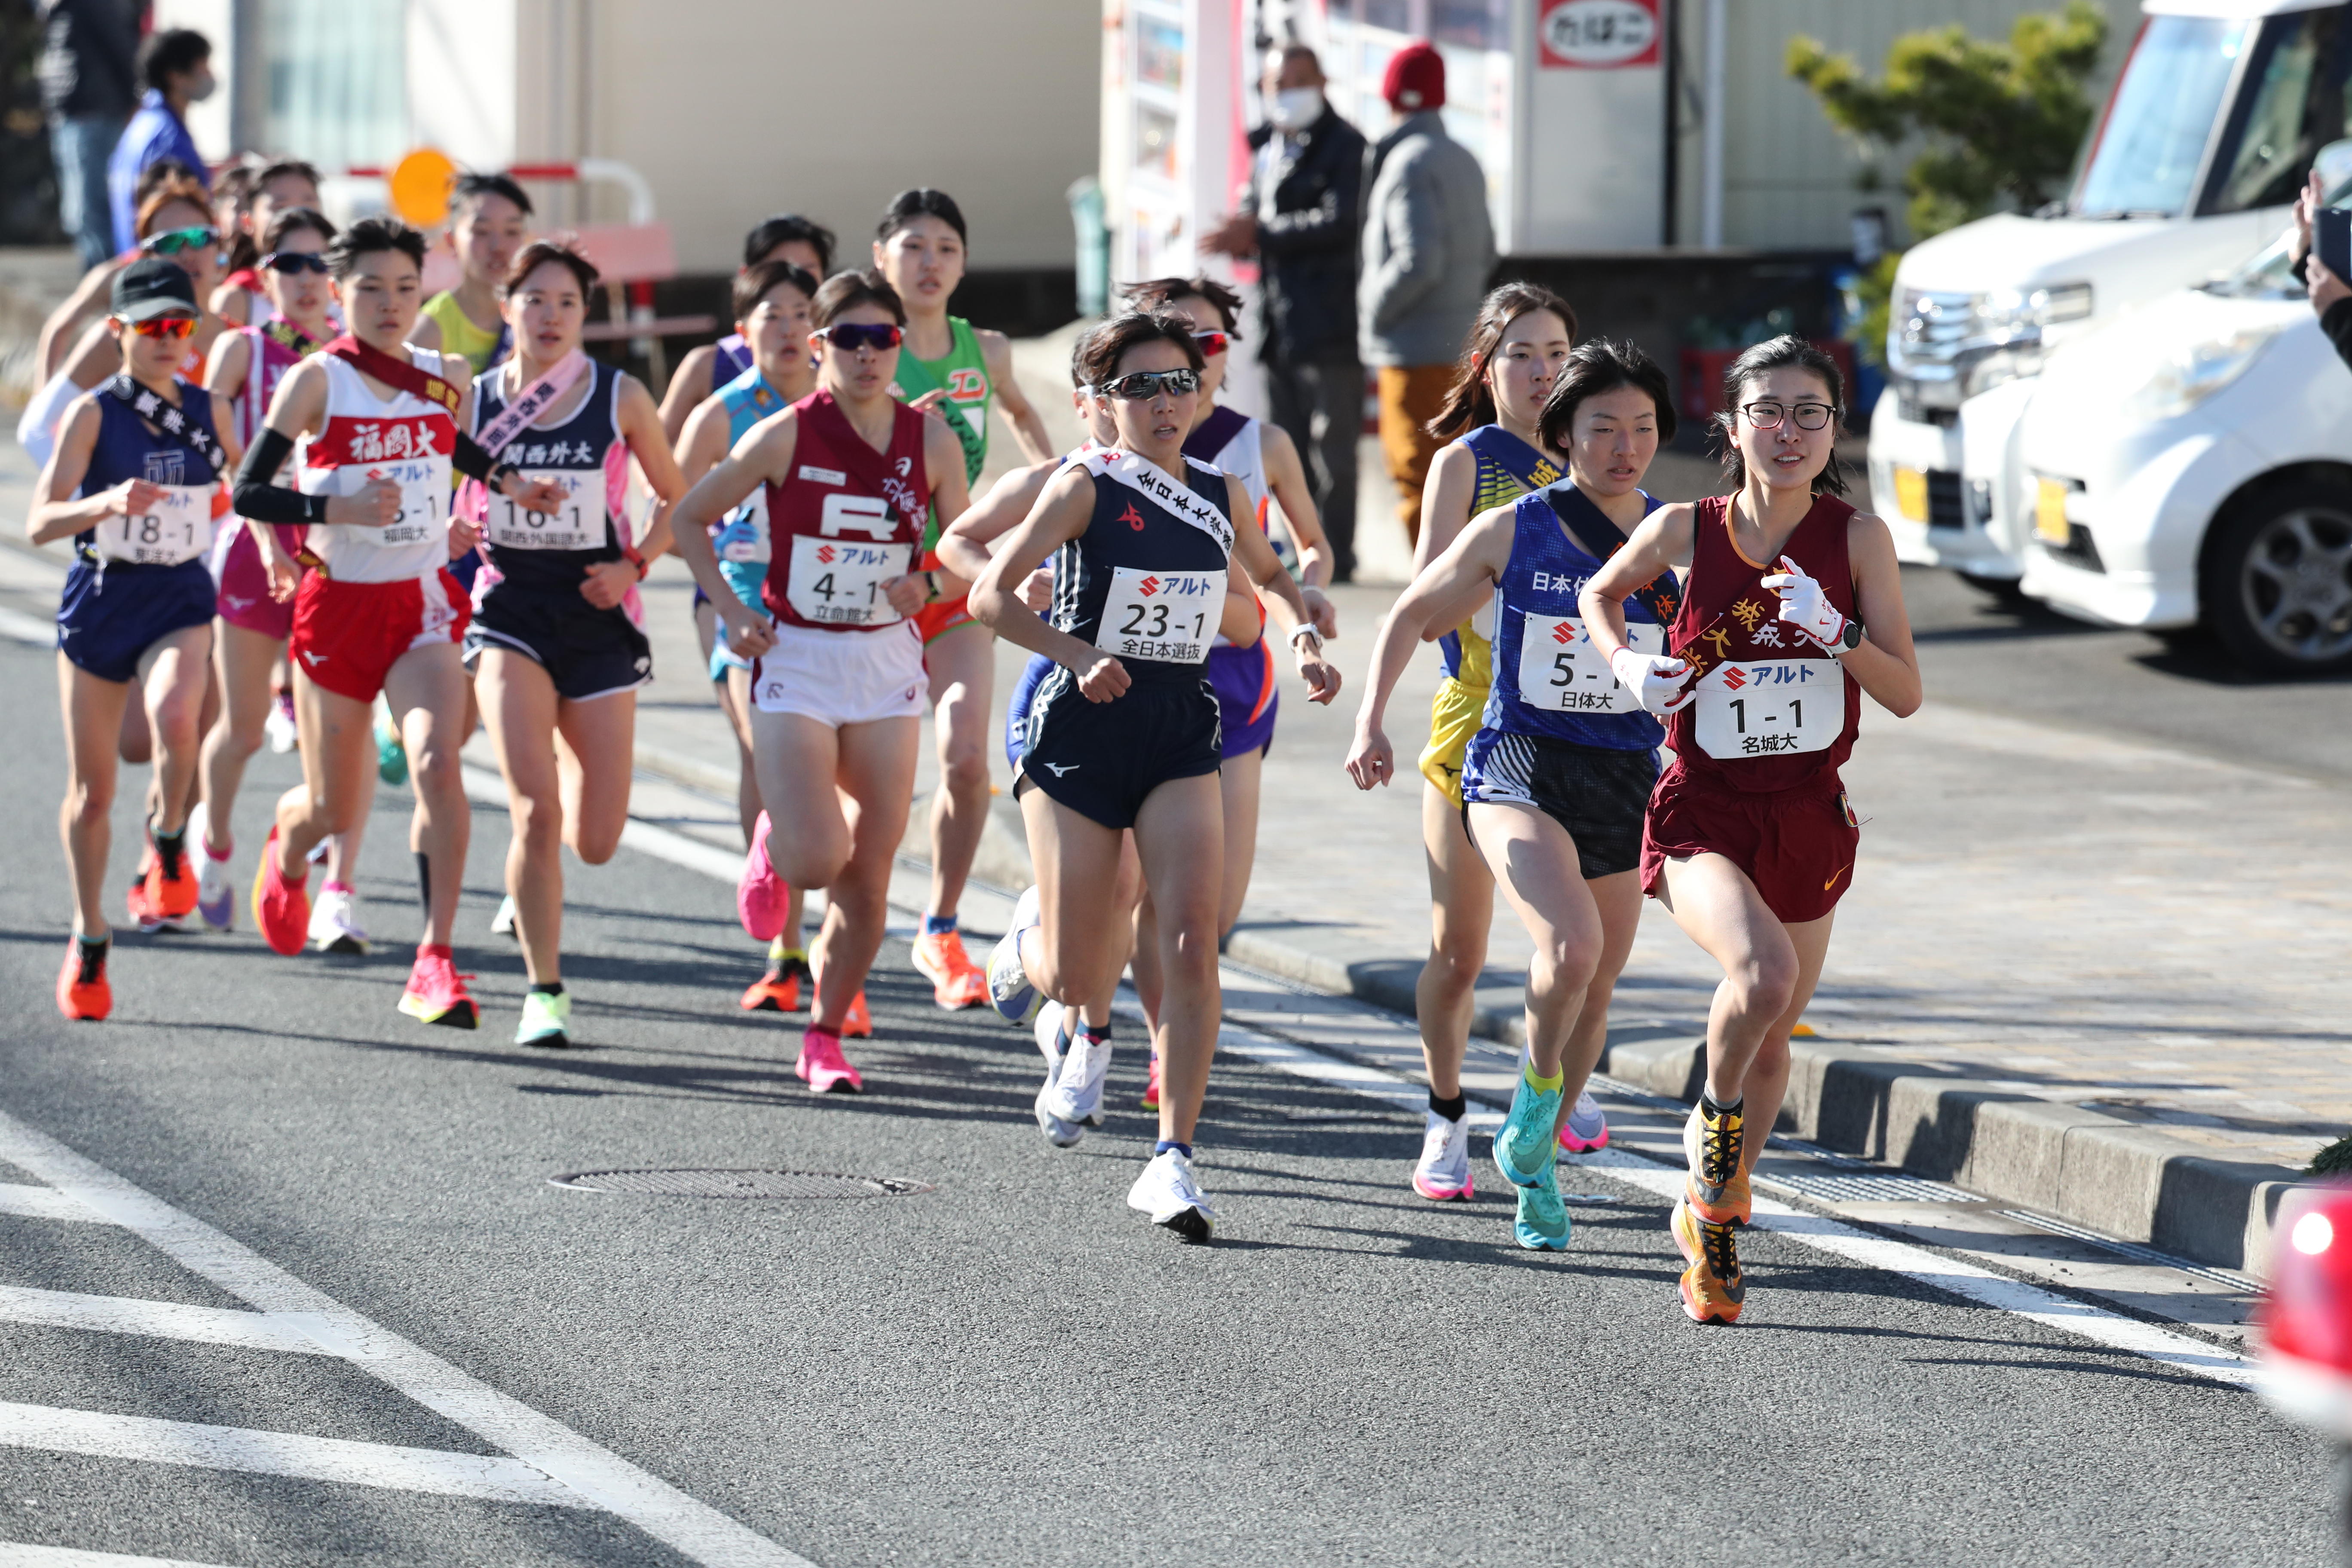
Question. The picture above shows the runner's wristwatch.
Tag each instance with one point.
(1852, 637)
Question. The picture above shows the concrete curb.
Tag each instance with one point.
(2120, 1178)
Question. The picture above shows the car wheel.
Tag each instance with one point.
(2276, 587)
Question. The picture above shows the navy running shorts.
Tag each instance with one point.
(586, 652)
(1102, 759)
(107, 620)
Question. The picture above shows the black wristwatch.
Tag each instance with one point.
(1851, 640)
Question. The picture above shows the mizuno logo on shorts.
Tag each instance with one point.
(1061, 768)
(314, 660)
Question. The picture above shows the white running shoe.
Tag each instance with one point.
(503, 922)
(215, 893)
(1060, 1133)
(1442, 1176)
(335, 923)
(279, 725)
(1009, 990)
(1078, 1092)
(1168, 1193)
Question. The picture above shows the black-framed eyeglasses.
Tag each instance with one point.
(1767, 415)
(851, 336)
(173, 241)
(1145, 384)
(292, 261)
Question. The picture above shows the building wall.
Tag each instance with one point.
(1789, 177)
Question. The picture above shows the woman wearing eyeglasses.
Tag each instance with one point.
(837, 685)
(1124, 734)
(133, 483)
(249, 641)
(1792, 608)
(553, 644)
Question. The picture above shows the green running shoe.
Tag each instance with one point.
(391, 756)
(546, 1020)
(1526, 1147)
(1541, 1223)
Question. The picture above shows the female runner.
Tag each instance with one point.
(1555, 780)
(243, 297)
(1792, 608)
(249, 636)
(137, 468)
(555, 650)
(489, 219)
(772, 313)
(837, 685)
(706, 368)
(1123, 735)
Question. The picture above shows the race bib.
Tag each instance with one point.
(180, 528)
(1561, 669)
(424, 512)
(1762, 708)
(837, 583)
(743, 537)
(1170, 617)
(577, 524)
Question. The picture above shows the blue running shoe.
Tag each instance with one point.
(391, 756)
(1009, 990)
(1541, 1223)
(1525, 1151)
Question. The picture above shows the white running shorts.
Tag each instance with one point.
(841, 678)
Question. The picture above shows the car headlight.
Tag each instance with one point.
(2186, 375)
(2007, 328)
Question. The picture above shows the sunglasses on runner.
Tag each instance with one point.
(1767, 415)
(1147, 384)
(1210, 343)
(176, 328)
(179, 239)
(851, 336)
(295, 261)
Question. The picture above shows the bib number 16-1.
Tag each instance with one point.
(1770, 706)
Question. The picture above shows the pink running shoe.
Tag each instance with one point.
(1584, 1128)
(822, 1066)
(761, 897)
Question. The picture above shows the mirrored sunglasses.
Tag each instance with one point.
(175, 328)
(174, 241)
(1211, 343)
(849, 336)
(292, 261)
(1147, 384)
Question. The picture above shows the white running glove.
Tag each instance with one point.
(1655, 682)
(1804, 606)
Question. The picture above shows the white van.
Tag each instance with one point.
(2219, 109)
(2193, 463)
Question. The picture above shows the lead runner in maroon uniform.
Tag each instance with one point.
(1749, 842)
(837, 682)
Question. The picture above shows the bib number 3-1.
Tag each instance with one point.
(1769, 707)
(1170, 617)
(577, 524)
(180, 528)
(833, 583)
(1560, 670)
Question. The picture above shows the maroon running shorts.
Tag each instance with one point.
(1797, 845)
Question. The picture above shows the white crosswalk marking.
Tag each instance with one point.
(111, 1436)
(41, 1203)
(549, 1463)
(159, 1320)
(14, 1555)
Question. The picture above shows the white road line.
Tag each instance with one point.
(719, 864)
(21, 627)
(18, 1555)
(109, 1436)
(43, 1202)
(603, 1480)
(159, 1320)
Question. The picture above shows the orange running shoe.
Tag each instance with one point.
(281, 909)
(859, 1024)
(779, 990)
(436, 992)
(956, 982)
(171, 889)
(1716, 1186)
(1712, 1289)
(1150, 1100)
(83, 993)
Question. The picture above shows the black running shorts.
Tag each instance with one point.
(1598, 794)
(586, 652)
(1101, 759)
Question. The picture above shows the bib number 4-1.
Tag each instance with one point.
(1170, 617)
(1560, 670)
(834, 582)
(1768, 707)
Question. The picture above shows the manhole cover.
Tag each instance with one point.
(738, 1185)
(1866, 1187)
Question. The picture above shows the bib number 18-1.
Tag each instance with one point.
(179, 528)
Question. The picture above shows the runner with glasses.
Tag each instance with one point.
(772, 313)
(1555, 778)
(554, 644)
(706, 368)
(1248, 683)
(133, 483)
(381, 426)
(957, 373)
(1123, 734)
(1750, 841)
(837, 678)
(242, 300)
(249, 636)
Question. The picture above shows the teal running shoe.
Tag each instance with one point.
(391, 756)
(1541, 1223)
(547, 1022)
(1524, 1149)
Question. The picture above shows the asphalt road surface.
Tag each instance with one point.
(1011, 1367)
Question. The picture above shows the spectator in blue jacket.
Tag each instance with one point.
(176, 65)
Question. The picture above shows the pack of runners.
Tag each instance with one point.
(306, 504)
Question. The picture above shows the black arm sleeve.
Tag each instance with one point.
(470, 460)
(257, 499)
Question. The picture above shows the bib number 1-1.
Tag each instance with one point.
(1770, 706)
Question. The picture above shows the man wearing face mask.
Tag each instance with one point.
(176, 67)
(1298, 216)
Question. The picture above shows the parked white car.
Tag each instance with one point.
(2192, 462)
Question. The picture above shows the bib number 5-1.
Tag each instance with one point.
(1560, 670)
(1770, 706)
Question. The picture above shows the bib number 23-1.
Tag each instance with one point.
(1170, 617)
(1769, 707)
